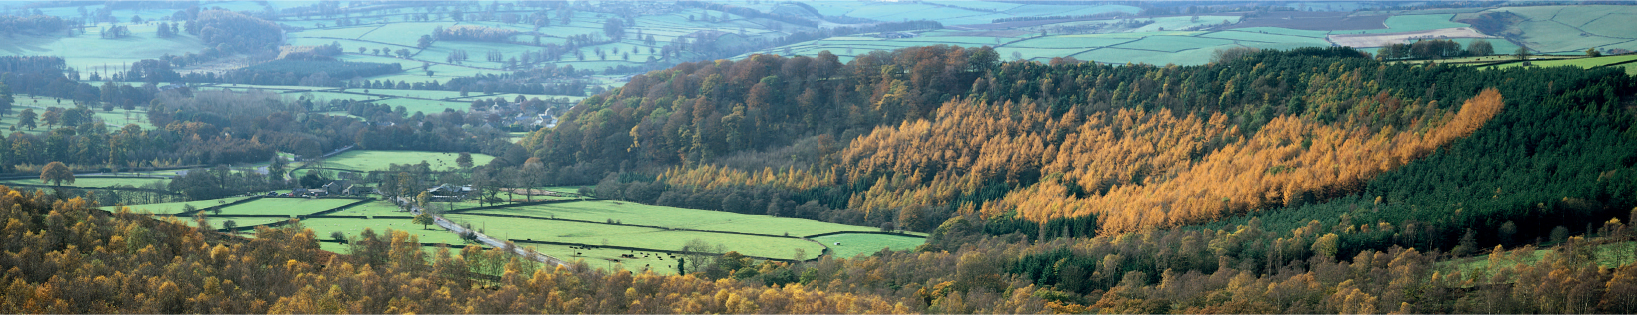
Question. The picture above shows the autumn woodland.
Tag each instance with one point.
(1313, 180)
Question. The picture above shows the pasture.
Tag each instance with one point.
(368, 160)
(175, 207)
(599, 234)
(1575, 62)
(322, 227)
(1570, 29)
(285, 206)
(671, 217)
(91, 181)
(854, 244)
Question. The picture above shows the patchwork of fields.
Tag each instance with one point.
(602, 232)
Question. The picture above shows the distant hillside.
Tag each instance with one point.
(916, 136)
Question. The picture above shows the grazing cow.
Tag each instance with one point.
(838, 243)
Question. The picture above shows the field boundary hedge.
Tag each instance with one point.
(157, 191)
(826, 249)
(225, 205)
(338, 209)
(862, 232)
(536, 203)
(623, 224)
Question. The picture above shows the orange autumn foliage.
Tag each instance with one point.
(1288, 161)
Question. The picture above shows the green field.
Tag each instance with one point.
(1173, 43)
(217, 222)
(86, 181)
(377, 208)
(285, 206)
(1568, 29)
(367, 160)
(631, 236)
(854, 244)
(322, 227)
(424, 106)
(89, 51)
(1577, 62)
(176, 207)
(640, 214)
(1609, 255)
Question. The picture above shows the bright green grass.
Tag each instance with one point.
(86, 50)
(1411, 23)
(270, 88)
(425, 106)
(854, 244)
(895, 11)
(326, 96)
(367, 160)
(986, 5)
(1610, 255)
(1182, 22)
(1118, 56)
(322, 227)
(566, 189)
(631, 236)
(1578, 62)
(376, 208)
(120, 117)
(640, 214)
(604, 258)
(1263, 37)
(1612, 25)
(1284, 31)
(216, 222)
(1037, 53)
(352, 32)
(1501, 46)
(84, 181)
(1051, 10)
(1174, 43)
(405, 33)
(406, 64)
(429, 94)
(1553, 37)
(176, 207)
(285, 206)
(1080, 42)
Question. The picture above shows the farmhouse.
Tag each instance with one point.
(446, 192)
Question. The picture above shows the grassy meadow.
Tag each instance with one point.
(367, 160)
(854, 244)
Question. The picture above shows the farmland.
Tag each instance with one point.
(606, 230)
(639, 214)
(176, 207)
(90, 181)
(847, 245)
(284, 206)
(1577, 62)
(1569, 29)
(366, 160)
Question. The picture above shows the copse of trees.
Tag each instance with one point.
(235, 32)
(1434, 48)
(473, 33)
(34, 24)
